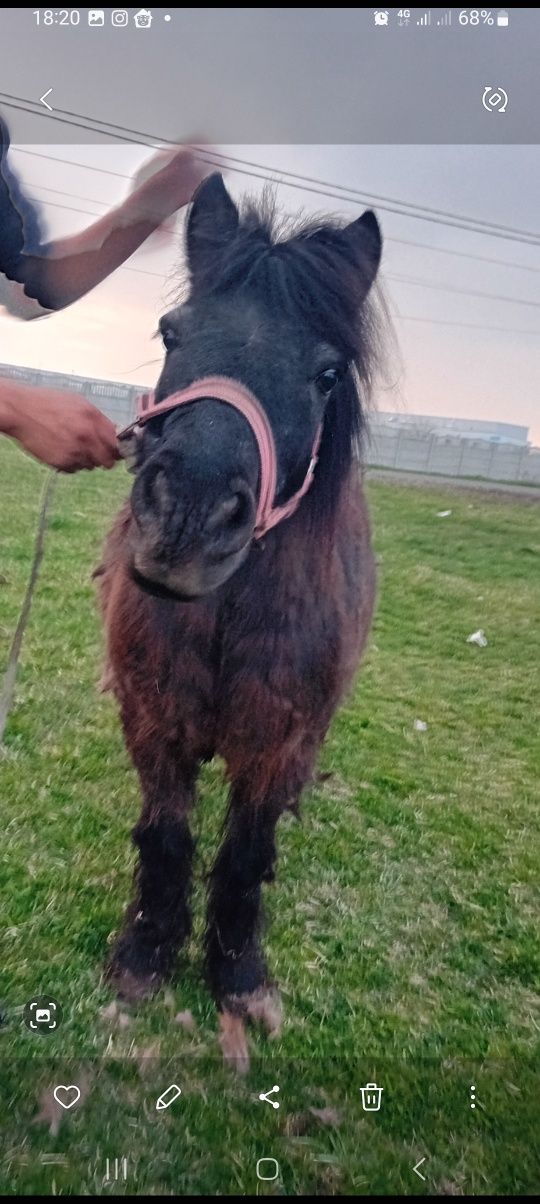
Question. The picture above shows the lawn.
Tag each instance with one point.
(404, 920)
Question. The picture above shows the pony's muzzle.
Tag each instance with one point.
(188, 544)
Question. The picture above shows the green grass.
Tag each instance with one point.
(404, 921)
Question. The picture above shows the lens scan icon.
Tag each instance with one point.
(143, 19)
(42, 1014)
(119, 18)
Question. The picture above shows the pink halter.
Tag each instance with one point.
(223, 388)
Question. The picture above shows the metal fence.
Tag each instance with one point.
(115, 399)
(388, 446)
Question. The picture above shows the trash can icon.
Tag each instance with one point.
(371, 1097)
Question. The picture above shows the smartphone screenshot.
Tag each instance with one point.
(269, 566)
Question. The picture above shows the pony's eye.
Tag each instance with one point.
(327, 380)
(169, 338)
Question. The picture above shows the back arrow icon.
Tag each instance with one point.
(417, 1172)
(43, 100)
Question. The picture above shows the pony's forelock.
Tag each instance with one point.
(303, 266)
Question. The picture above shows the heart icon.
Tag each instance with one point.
(67, 1096)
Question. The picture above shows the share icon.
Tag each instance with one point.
(264, 1096)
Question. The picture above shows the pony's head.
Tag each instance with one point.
(285, 319)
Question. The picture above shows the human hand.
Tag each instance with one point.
(167, 182)
(62, 430)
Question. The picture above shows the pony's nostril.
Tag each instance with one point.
(151, 500)
(155, 489)
(233, 510)
(161, 490)
(231, 514)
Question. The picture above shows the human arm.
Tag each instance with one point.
(68, 268)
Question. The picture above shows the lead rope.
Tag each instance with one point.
(8, 682)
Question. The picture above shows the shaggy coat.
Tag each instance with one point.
(254, 670)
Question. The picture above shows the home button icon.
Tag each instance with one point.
(267, 1169)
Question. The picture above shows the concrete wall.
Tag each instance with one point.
(460, 428)
(390, 447)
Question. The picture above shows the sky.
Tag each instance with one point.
(394, 112)
(458, 354)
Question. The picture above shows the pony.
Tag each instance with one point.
(235, 623)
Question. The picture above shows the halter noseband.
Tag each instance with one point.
(223, 388)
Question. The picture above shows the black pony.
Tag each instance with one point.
(221, 642)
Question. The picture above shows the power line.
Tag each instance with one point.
(402, 317)
(466, 292)
(76, 197)
(23, 106)
(424, 246)
(468, 325)
(86, 212)
(414, 206)
(406, 242)
(402, 208)
(397, 278)
(220, 156)
(105, 171)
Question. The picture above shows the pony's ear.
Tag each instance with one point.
(365, 243)
(212, 224)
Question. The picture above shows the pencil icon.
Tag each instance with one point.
(168, 1097)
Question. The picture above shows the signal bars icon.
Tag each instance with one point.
(425, 20)
(446, 18)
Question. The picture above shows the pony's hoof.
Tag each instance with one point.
(139, 963)
(133, 988)
(263, 1007)
(234, 1042)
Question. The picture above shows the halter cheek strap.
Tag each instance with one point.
(233, 393)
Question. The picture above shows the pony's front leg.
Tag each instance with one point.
(158, 920)
(235, 964)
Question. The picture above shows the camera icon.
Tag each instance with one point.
(119, 17)
(143, 19)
